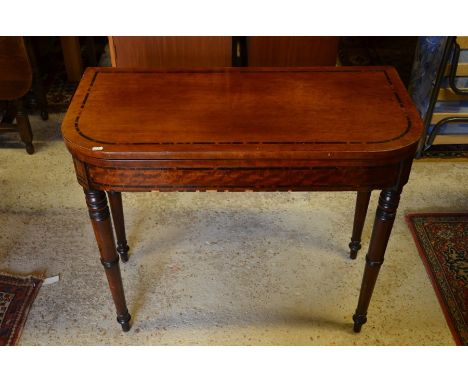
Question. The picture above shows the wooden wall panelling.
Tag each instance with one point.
(292, 51)
(170, 52)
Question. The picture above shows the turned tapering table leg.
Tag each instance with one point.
(384, 218)
(24, 127)
(362, 202)
(115, 199)
(100, 218)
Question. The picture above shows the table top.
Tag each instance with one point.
(242, 113)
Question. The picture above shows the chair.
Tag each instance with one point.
(15, 82)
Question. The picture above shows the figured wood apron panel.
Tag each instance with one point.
(240, 179)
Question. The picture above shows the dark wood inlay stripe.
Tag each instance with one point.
(397, 97)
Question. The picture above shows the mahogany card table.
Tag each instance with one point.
(239, 129)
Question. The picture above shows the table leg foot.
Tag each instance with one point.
(29, 148)
(124, 321)
(384, 218)
(362, 202)
(354, 247)
(359, 320)
(122, 250)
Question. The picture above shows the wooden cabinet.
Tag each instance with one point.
(212, 51)
(292, 51)
(170, 52)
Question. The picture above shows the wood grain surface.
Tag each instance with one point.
(248, 113)
(292, 50)
(170, 51)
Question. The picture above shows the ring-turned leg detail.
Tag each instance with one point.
(115, 199)
(362, 202)
(124, 321)
(384, 218)
(100, 218)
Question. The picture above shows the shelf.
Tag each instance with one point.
(459, 139)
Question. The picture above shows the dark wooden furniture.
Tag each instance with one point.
(71, 49)
(73, 55)
(37, 77)
(264, 129)
(170, 51)
(213, 51)
(291, 51)
(15, 81)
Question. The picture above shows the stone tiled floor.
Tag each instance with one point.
(216, 268)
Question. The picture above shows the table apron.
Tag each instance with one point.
(237, 178)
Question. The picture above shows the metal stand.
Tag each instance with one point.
(428, 140)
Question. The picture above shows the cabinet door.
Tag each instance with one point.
(170, 52)
(292, 51)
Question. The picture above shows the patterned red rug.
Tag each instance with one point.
(16, 297)
(442, 241)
